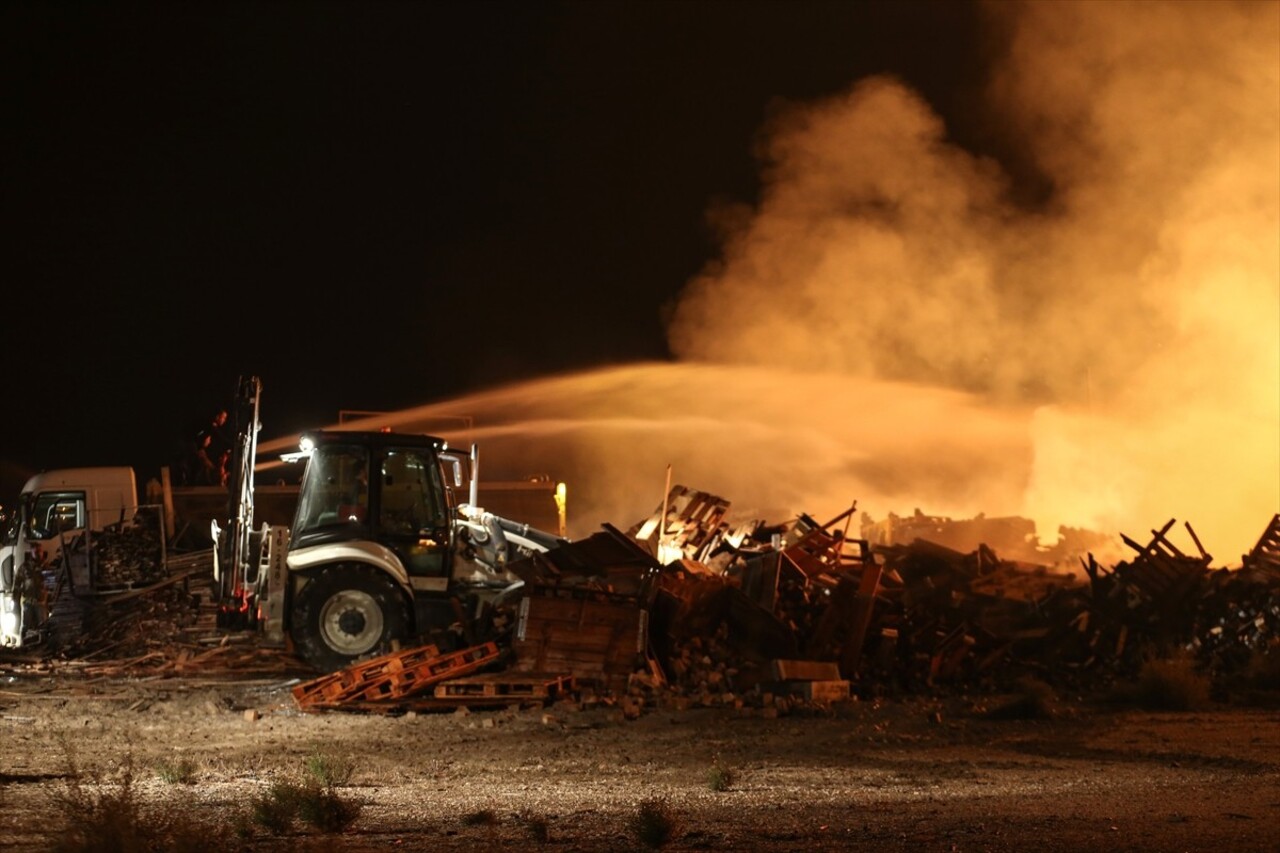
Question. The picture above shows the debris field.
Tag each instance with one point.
(701, 614)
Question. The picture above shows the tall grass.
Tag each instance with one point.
(108, 815)
(312, 800)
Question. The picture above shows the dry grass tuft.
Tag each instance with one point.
(482, 817)
(100, 815)
(654, 823)
(1033, 700)
(538, 827)
(720, 777)
(329, 769)
(1172, 684)
(181, 772)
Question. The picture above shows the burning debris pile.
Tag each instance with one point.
(1013, 538)
(804, 609)
(684, 609)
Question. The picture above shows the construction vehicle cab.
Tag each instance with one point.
(382, 550)
(369, 552)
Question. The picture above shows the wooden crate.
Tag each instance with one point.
(591, 640)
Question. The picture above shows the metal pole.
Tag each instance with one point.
(475, 475)
(662, 522)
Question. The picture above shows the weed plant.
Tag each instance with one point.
(181, 772)
(318, 806)
(1032, 700)
(1171, 684)
(719, 777)
(328, 769)
(654, 823)
(275, 809)
(110, 816)
(314, 800)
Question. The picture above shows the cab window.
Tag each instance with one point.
(412, 492)
(52, 513)
(335, 490)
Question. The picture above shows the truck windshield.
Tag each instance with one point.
(48, 514)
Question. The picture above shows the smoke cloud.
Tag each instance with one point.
(1136, 311)
(890, 325)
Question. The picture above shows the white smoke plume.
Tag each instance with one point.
(888, 325)
(1138, 309)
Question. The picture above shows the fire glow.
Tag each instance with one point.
(888, 325)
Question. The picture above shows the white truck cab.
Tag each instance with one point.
(53, 507)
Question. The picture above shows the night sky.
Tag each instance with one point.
(1009, 258)
(377, 205)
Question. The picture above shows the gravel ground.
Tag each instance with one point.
(916, 774)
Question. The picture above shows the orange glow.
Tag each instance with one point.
(889, 325)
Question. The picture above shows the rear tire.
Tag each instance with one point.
(345, 613)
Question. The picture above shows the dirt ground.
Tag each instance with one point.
(932, 774)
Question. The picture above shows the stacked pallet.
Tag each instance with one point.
(391, 677)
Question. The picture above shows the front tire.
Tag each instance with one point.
(345, 613)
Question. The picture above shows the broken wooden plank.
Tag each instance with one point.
(804, 670)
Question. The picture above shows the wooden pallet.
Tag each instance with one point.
(337, 685)
(417, 679)
(496, 690)
(1162, 571)
(393, 676)
(1266, 554)
(513, 686)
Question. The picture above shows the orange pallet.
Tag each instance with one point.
(513, 686)
(418, 678)
(338, 685)
(396, 676)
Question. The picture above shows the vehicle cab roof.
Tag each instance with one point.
(375, 440)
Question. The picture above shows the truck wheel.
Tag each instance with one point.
(344, 613)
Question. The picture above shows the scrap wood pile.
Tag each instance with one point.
(586, 609)
(1014, 538)
(119, 556)
(166, 628)
(711, 614)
